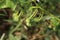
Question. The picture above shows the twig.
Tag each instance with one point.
(2, 36)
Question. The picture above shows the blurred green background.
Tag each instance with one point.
(32, 19)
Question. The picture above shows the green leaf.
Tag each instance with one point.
(55, 22)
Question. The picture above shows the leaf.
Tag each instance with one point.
(55, 22)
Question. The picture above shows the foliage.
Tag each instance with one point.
(33, 18)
